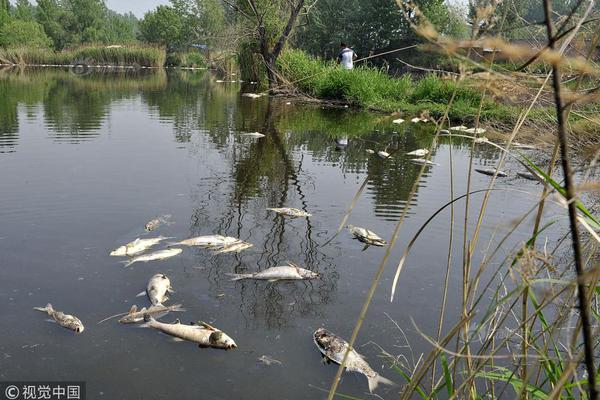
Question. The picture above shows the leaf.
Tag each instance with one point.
(505, 375)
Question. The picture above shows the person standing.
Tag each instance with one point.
(346, 57)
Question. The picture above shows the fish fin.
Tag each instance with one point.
(176, 308)
(376, 380)
(44, 309)
(366, 246)
(133, 309)
(207, 326)
(237, 277)
(140, 294)
(127, 263)
(176, 339)
(170, 290)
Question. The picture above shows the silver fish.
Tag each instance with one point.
(157, 255)
(208, 241)
(257, 135)
(65, 320)
(422, 161)
(230, 248)
(290, 212)
(418, 152)
(531, 176)
(334, 347)
(383, 154)
(523, 146)
(366, 236)
(491, 172)
(253, 95)
(137, 246)
(273, 274)
(201, 333)
(158, 287)
(370, 151)
(156, 222)
(134, 316)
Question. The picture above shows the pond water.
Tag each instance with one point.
(86, 161)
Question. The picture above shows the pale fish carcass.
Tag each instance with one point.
(366, 236)
(208, 241)
(476, 131)
(135, 316)
(157, 255)
(422, 161)
(274, 274)
(522, 146)
(231, 248)
(137, 246)
(290, 212)
(256, 135)
(531, 176)
(370, 151)
(398, 121)
(65, 320)
(201, 333)
(383, 154)
(334, 348)
(491, 172)
(418, 152)
(153, 224)
(158, 287)
(253, 95)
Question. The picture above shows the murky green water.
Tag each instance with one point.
(87, 160)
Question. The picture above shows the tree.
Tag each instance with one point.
(23, 33)
(24, 11)
(203, 20)
(4, 12)
(162, 26)
(52, 17)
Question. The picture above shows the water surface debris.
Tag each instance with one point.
(459, 128)
(268, 360)
(290, 212)
(70, 322)
(199, 332)
(398, 121)
(383, 154)
(253, 95)
(156, 222)
(273, 274)
(370, 151)
(334, 348)
(366, 236)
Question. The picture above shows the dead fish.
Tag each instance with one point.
(273, 274)
(253, 95)
(530, 176)
(383, 154)
(235, 247)
(134, 316)
(418, 152)
(366, 236)
(369, 151)
(482, 139)
(422, 161)
(477, 131)
(334, 347)
(156, 290)
(341, 141)
(398, 121)
(207, 241)
(290, 212)
(444, 132)
(157, 255)
(200, 332)
(137, 246)
(156, 222)
(257, 135)
(491, 172)
(418, 119)
(268, 360)
(65, 320)
(522, 146)
(460, 128)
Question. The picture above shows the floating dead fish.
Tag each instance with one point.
(334, 348)
(65, 320)
(208, 241)
(418, 119)
(200, 332)
(369, 151)
(253, 95)
(366, 236)
(444, 132)
(219, 81)
(157, 255)
(156, 222)
(398, 121)
(273, 274)
(235, 247)
(422, 161)
(341, 141)
(418, 152)
(522, 146)
(491, 172)
(134, 316)
(383, 154)
(268, 360)
(253, 134)
(137, 246)
(290, 212)
(156, 290)
(477, 131)
(460, 128)
(480, 140)
(530, 176)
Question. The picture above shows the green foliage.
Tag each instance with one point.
(24, 11)
(23, 33)
(203, 20)
(163, 26)
(186, 59)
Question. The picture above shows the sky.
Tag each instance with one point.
(138, 7)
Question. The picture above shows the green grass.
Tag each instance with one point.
(144, 56)
(375, 89)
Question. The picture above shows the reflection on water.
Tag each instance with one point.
(89, 159)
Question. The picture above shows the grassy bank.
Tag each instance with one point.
(375, 89)
(144, 56)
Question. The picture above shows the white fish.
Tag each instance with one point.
(491, 172)
(257, 135)
(460, 128)
(135, 316)
(531, 176)
(157, 255)
(137, 246)
(208, 241)
(253, 95)
(482, 139)
(156, 290)
(290, 212)
(418, 119)
(366, 236)
(398, 121)
(369, 151)
(422, 161)
(200, 332)
(477, 131)
(65, 320)
(219, 81)
(383, 154)
(273, 274)
(522, 146)
(341, 141)
(418, 152)
(156, 222)
(334, 348)
(235, 247)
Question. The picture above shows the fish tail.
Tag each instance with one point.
(127, 263)
(237, 277)
(177, 307)
(46, 309)
(374, 381)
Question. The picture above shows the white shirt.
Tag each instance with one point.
(345, 58)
